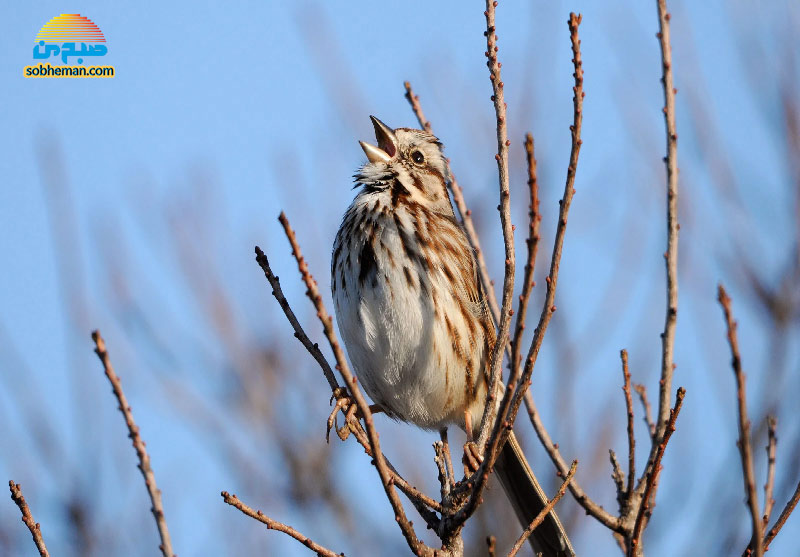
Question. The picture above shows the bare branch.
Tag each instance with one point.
(299, 333)
(641, 390)
(534, 221)
(744, 443)
(769, 501)
(385, 473)
(787, 510)
(463, 211)
(138, 445)
(569, 191)
(671, 255)
(279, 526)
(645, 507)
(619, 480)
(591, 507)
(504, 325)
(544, 512)
(27, 518)
(631, 438)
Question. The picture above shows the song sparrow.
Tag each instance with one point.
(411, 310)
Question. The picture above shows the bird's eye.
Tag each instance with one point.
(417, 157)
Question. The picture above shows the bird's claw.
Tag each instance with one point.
(472, 458)
(345, 405)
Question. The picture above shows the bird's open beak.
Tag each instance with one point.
(387, 143)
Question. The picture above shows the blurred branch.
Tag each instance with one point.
(787, 510)
(744, 443)
(641, 390)
(279, 526)
(138, 445)
(27, 517)
(544, 512)
(645, 507)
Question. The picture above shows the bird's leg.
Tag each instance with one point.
(472, 456)
(345, 404)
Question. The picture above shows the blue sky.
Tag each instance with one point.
(264, 102)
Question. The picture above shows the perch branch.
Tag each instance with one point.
(27, 518)
(279, 526)
(385, 473)
(745, 446)
(138, 445)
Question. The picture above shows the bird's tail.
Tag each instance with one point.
(528, 499)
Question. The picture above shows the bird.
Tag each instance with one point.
(412, 312)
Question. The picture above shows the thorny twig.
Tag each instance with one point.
(27, 518)
(279, 526)
(544, 512)
(744, 443)
(645, 507)
(138, 445)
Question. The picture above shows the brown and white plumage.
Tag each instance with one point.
(409, 304)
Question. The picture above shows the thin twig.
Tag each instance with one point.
(544, 512)
(461, 206)
(745, 447)
(138, 444)
(652, 478)
(671, 255)
(279, 526)
(534, 221)
(417, 497)
(385, 473)
(619, 480)
(504, 326)
(569, 191)
(27, 518)
(641, 390)
(772, 446)
(631, 438)
(610, 521)
(299, 333)
(787, 510)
